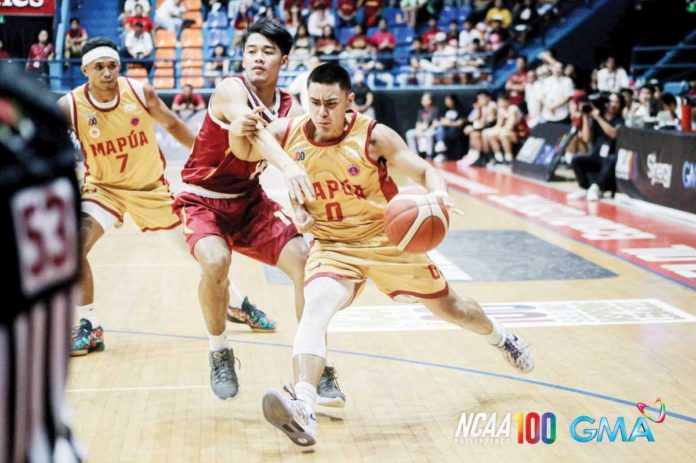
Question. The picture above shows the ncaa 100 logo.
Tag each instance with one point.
(485, 428)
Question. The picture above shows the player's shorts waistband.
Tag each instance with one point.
(200, 191)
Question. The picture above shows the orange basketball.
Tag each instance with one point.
(416, 222)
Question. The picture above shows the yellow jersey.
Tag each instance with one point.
(351, 190)
(119, 142)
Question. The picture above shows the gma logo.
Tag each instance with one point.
(584, 429)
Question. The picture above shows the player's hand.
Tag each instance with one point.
(247, 125)
(445, 200)
(298, 183)
(303, 221)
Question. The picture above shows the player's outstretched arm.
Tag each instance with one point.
(166, 118)
(229, 101)
(64, 105)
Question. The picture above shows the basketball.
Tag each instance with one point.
(416, 222)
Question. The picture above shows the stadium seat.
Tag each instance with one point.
(166, 54)
(217, 37)
(136, 72)
(193, 71)
(447, 15)
(394, 16)
(191, 38)
(217, 20)
(195, 82)
(404, 35)
(164, 72)
(191, 57)
(463, 13)
(194, 16)
(344, 33)
(163, 82)
(165, 39)
(193, 5)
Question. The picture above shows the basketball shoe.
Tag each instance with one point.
(517, 353)
(292, 416)
(86, 339)
(328, 392)
(223, 378)
(249, 314)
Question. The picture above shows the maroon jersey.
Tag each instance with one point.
(211, 164)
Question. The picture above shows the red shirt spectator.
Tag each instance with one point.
(383, 39)
(346, 8)
(188, 100)
(372, 10)
(39, 53)
(428, 38)
(359, 40)
(140, 17)
(517, 81)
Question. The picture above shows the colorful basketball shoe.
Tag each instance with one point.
(86, 339)
(249, 314)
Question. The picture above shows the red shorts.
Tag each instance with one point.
(252, 225)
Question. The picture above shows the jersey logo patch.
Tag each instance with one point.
(299, 155)
(353, 170)
(135, 121)
(91, 119)
(130, 107)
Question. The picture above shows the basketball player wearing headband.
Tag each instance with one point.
(346, 156)
(113, 118)
(223, 206)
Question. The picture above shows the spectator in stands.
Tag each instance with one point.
(517, 82)
(139, 47)
(449, 128)
(410, 9)
(218, 66)
(576, 145)
(467, 34)
(420, 138)
(346, 10)
(470, 60)
(293, 19)
(499, 13)
(569, 72)
(378, 69)
(630, 102)
(453, 32)
(667, 118)
(692, 89)
(169, 15)
(524, 17)
(139, 17)
(39, 54)
(3, 53)
(557, 92)
(363, 95)
(497, 35)
(385, 43)
(130, 10)
(318, 19)
(356, 47)
(610, 78)
(532, 99)
(484, 115)
(187, 102)
(75, 38)
(509, 129)
(328, 43)
(372, 9)
(599, 131)
(302, 49)
(644, 111)
(443, 64)
(261, 9)
(429, 37)
(298, 87)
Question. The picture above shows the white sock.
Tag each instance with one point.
(306, 393)
(236, 298)
(498, 156)
(88, 312)
(473, 153)
(497, 336)
(218, 342)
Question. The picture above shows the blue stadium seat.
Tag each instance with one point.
(447, 15)
(463, 13)
(390, 15)
(404, 35)
(402, 54)
(218, 36)
(675, 88)
(344, 33)
(217, 20)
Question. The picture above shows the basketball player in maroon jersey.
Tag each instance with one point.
(224, 208)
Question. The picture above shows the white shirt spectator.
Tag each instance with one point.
(317, 21)
(299, 87)
(168, 14)
(532, 95)
(129, 7)
(555, 90)
(608, 81)
(139, 45)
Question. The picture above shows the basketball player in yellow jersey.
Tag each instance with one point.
(346, 156)
(113, 118)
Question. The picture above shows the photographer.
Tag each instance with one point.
(599, 130)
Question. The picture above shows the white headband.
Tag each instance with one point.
(100, 52)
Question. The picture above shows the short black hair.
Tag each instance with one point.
(668, 99)
(329, 73)
(75, 19)
(273, 32)
(97, 42)
(484, 92)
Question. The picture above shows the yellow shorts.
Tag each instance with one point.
(400, 275)
(150, 209)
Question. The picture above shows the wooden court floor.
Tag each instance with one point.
(147, 399)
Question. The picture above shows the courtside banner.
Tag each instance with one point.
(657, 166)
(543, 150)
(27, 7)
